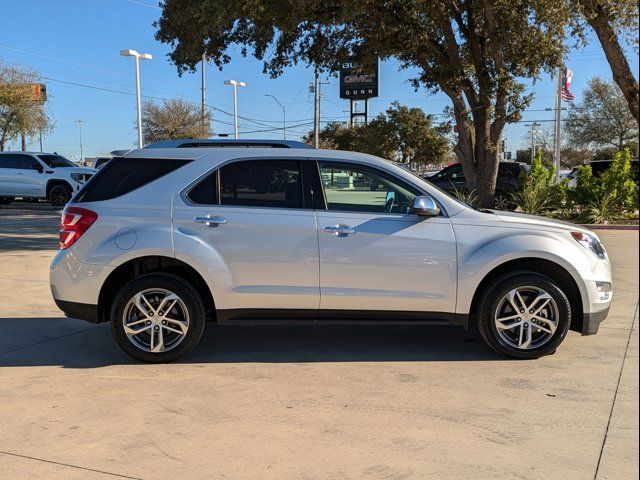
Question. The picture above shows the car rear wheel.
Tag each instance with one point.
(524, 315)
(157, 318)
(59, 195)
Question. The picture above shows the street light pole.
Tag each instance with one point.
(235, 86)
(204, 95)
(80, 122)
(136, 57)
(284, 116)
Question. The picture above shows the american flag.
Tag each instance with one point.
(566, 95)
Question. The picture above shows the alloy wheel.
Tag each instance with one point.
(526, 318)
(155, 320)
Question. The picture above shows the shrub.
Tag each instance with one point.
(538, 194)
(470, 198)
(610, 197)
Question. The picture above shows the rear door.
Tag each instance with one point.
(8, 167)
(29, 179)
(249, 224)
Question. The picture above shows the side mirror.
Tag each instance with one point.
(425, 206)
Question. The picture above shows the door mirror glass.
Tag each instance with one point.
(425, 206)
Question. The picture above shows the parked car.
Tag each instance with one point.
(38, 175)
(598, 167)
(158, 243)
(509, 181)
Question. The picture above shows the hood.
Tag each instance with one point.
(522, 220)
(88, 170)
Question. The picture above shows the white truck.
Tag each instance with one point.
(35, 175)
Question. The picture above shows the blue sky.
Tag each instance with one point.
(76, 44)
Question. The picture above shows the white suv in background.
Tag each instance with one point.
(32, 175)
(162, 240)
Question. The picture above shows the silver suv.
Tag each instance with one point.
(163, 240)
(34, 175)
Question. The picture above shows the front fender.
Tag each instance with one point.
(489, 250)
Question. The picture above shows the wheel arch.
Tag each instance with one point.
(545, 267)
(56, 181)
(152, 264)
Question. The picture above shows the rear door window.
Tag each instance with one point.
(28, 163)
(262, 183)
(9, 161)
(124, 175)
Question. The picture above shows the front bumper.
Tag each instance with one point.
(81, 311)
(591, 321)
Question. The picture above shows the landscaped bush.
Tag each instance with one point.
(609, 198)
(539, 195)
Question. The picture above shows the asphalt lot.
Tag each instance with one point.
(306, 403)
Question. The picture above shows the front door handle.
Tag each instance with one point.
(211, 220)
(340, 230)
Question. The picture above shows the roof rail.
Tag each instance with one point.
(227, 143)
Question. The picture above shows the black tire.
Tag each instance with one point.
(503, 201)
(6, 200)
(491, 299)
(59, 195)
(191, 300)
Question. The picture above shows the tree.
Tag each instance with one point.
(601, 119)
(401, 133)
(19, 113)
(475, 51)
(173, 119)
(611, 20)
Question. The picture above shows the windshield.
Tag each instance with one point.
(56, 161)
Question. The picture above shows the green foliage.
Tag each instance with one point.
(603, 209)
(401, 133)
(614, 192)
(468, 197)
(173, 119)
(539, 195)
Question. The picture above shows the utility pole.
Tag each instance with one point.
(316, 111)
(533, 126)
(203, 106)
(80, 123)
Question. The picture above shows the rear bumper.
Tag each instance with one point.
(81, 311)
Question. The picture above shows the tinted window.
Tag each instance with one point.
(453, 172)
(9, 161)
(123, 175)
(206, 191)
(28, 163)
(259, 183)
(56, 161)
(598, 168)
(355, 188)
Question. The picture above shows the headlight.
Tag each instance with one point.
(589, 242)
(79, 177)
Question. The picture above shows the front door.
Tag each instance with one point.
(248, 224)
(29, 178)
(376, 257)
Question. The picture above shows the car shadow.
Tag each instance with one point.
(72, 344)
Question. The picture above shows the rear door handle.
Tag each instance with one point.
(340, 230)
(211, 220)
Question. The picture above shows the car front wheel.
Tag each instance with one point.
(59, 195)
(524, 315)
(157, 318)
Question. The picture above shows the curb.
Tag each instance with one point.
(31, 207)
(610, 227)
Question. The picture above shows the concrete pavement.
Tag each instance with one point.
(306, 402)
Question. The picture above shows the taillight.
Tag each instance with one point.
(75, 221)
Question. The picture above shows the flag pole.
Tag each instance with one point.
(556, 133)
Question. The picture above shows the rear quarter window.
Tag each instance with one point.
(124, 175)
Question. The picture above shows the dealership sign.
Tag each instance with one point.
(358, 83)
